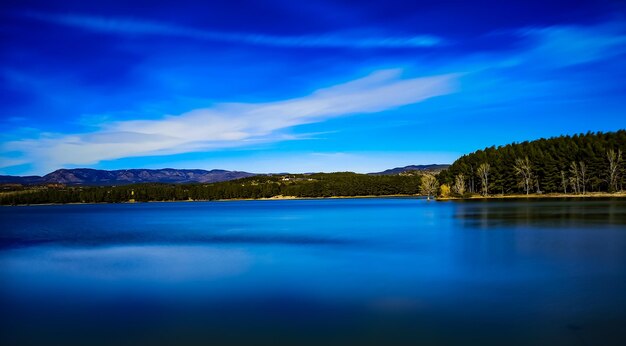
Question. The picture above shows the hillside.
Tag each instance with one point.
(420, 168)
(564, 164)
(261, 186)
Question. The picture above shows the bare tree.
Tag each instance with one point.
(429, 185)
(583, 181)
(575, 178)
(615, 160)
(523, 169)
(483, 173)
(459, 184)
(574, 185)
(564, 182)
(471, 178)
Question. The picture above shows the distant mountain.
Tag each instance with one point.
(423, 168)
(95, 177)
(26, 180)
(86, 176)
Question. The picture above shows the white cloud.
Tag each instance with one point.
(141, 27)
(227, 125)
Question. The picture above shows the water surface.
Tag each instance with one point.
(362, 271)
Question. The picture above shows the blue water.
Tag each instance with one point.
(342, 271)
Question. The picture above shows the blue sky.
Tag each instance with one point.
(299, 86)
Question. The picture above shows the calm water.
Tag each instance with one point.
(377, 271)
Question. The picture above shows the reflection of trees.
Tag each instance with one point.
(505, 235)
(540, 213)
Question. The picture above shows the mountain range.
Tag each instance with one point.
(87, 176)
(94, 177)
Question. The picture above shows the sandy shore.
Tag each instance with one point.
(280, 197)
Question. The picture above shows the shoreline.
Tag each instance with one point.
(282, 198)
(275, 198)
(439, 199)
(621, 194)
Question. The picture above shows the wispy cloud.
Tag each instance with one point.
(227, 125)
(566, 45)
(128, 26)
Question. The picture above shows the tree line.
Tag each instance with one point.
(297, 185)
(591, 162)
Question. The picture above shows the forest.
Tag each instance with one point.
(265, 186)
(591, 162)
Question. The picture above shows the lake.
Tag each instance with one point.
(336, 271)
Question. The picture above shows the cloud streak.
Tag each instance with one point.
(571, 45)
(227, 125)
(127, 26)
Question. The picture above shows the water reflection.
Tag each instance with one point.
(564, 213)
